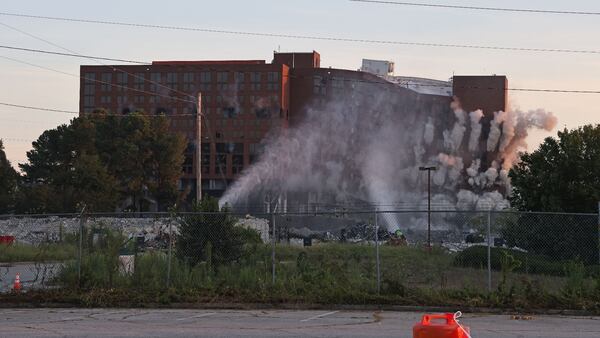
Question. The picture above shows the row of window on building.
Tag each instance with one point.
(239, 134)
(337, 85)
(220, 100)
(223, 80)
(226, 155)
(227, 112)
(203, 81)
(221, 135)
(220, 123)
(227, 148)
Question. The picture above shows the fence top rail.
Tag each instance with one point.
(279, 214)
(438, 211)
(126, 214)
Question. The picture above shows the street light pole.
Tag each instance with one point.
(429, 170)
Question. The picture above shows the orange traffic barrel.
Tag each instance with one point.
(440, 326)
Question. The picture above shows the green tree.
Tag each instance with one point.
(63, 172)
(104, 161)
(8, 182)
(167, 160)
(95, 186)
(145, 157)
(210, 236)
(562, 175)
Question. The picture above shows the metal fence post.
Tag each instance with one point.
(489, 250)
(170, 254)
(80, 251)
(377, 252)
(273, 247)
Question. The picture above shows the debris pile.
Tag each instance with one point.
(155, 231)
(51, 229)
(261, 225)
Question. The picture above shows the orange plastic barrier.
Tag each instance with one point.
(440, 326)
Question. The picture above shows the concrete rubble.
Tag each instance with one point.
(31, 230)
(259, 224)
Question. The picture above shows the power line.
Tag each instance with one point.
(14, 105)
(75, 54)
(554, 90)
(407, 84)
(39, 108)
(135, 76)
(15, 139)
(305, 37)
(91, 58)
(411, 84)
(29, 122)
(72, 55)
(496, 9)
(95, 80)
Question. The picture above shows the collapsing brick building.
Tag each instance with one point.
(250, 105)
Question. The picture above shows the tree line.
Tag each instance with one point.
(102, 161)
(110, 162)
(134, 162)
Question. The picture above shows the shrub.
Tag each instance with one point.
(476, 257)
(211, 236)
(559, 237)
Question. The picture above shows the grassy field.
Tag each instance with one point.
(37, 253)
(326, 274)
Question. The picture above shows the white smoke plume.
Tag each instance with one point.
(495, 131)
(455, 137)
(367, 147)
(508, 130)
(516, 133)
(475, 117)
(429, 131)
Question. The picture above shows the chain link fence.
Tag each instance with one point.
(357, 252)
(35, 247)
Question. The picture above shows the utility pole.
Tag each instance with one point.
(199, 149)
(429, 170)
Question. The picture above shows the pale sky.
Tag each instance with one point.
(23, 84)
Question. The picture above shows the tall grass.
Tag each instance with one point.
(325, 273)
(318, 273)
(48, 252)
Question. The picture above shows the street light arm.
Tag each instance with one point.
(430, 168)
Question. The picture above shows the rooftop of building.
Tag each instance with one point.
(209, 62)
(423, 85)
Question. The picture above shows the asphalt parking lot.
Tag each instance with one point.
(33, 275)
(269, 323)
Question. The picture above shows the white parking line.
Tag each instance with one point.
(319, 316)
(107, 313)
(9, 312)
(198, 316)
